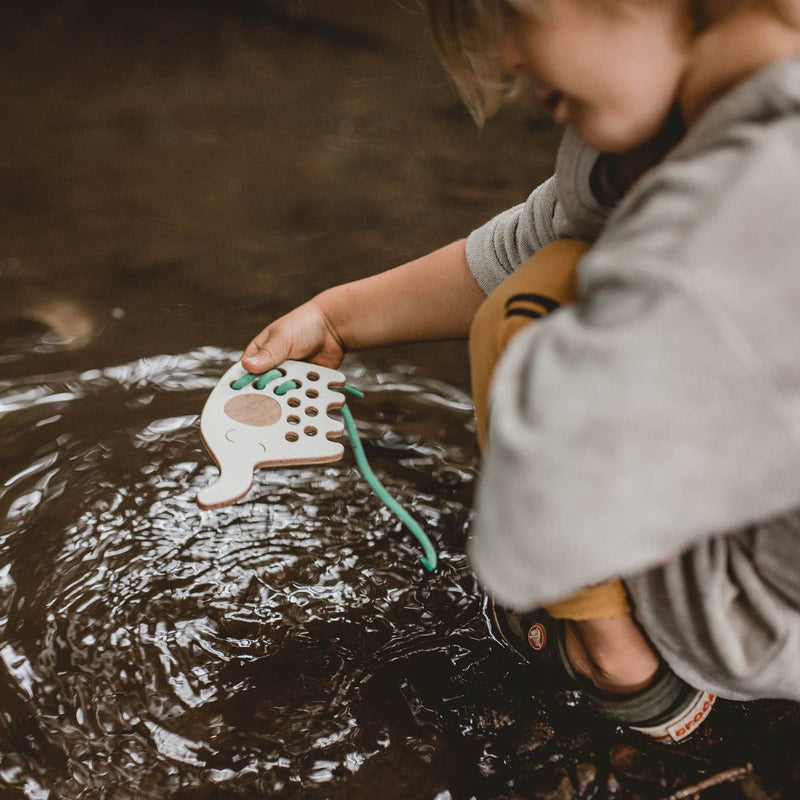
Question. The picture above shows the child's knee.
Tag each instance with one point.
(547, 280)
(483, 354)
(544, 282)
(486, 321)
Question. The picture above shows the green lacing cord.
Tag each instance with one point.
(263, 380)
(429, 560)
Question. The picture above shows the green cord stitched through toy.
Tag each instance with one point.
(429, 560)
(267, 377)
(246, 379)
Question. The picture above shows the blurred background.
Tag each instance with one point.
(184, 171)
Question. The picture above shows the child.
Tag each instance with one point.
(649, 428)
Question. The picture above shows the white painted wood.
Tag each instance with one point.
(247, 428)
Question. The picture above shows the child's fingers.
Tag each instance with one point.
(300, 334)
(263, 353)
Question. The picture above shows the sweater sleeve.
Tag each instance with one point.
(564, 206)
(497, 248)
(665, 407)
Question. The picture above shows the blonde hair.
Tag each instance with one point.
(468, 36)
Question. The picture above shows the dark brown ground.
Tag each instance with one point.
(175, 174)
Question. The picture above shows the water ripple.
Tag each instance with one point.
(158, 645)
(288, 646)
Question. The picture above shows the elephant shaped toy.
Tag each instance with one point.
(276, 419)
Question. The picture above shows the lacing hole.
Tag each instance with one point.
(293, 420)
(313, 376)
(294, 402)
(311, 411)
(292, 436)
(309, 431)
(312, 393)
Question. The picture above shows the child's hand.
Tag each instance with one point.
(304, 334)
(434, 297)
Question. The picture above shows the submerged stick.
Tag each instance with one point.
(727, 776)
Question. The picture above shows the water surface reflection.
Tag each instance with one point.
(141, 633)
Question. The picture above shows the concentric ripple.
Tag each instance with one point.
(265, 647)
(289, 646)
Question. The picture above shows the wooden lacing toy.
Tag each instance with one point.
(280, 418)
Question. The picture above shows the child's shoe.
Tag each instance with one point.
(668, 710)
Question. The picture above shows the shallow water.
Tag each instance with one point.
(174, 175)
(157, 645)
(290, 645)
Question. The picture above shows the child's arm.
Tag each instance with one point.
(433, 297)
